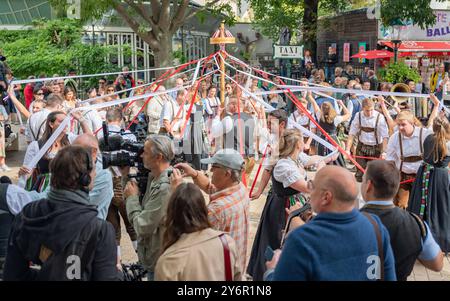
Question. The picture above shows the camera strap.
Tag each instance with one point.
(226, 258)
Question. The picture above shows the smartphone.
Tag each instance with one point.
(268, 254)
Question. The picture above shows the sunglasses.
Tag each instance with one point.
(40, 94)
(101, 83)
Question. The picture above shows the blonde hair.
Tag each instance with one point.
(288, 142)
(367, 103)
(328, 112)
(407, 116)
(441, 129)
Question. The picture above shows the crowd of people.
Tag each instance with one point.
(65, 222)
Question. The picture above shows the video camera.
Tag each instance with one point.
(121, 153)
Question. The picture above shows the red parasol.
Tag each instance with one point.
(373, 54)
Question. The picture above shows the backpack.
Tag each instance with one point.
(75, 261)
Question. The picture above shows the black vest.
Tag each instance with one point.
(405, 233)
(232, 138)
(6, 219)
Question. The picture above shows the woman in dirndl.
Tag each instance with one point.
(430, 195)
(288, 187)
(38, 178)
(329, 120)
(195, 143)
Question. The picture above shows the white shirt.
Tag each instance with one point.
(33, 149)
(116, 130)
(300, 119)
(411, 147)
(370, 122)
(288, 172)
(169, 112)
(94, 122)
(17, 198)
(36, 125)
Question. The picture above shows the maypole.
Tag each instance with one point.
(222, 37)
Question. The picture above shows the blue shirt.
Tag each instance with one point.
(334, 246)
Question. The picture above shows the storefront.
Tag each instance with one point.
(421, 48)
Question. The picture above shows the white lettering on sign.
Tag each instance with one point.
(287, 52)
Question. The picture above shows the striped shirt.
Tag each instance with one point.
(229, 211)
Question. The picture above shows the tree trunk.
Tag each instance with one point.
(163, 55)
(311, 8)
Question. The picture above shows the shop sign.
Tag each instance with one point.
(440, 31)
(287, 52)
(346, 52)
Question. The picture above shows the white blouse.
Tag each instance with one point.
(287, 171)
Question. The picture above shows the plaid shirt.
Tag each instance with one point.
(229, 211)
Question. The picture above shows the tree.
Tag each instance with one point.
(155, 22)
(418, 11)
(271, 16)
(53, 47)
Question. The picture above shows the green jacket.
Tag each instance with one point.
(147, 219)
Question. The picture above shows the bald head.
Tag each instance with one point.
(339, 181)
(86, 140)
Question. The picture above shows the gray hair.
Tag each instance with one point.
(236, 175)
(162, 145)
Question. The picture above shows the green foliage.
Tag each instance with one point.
(178, 54)
(398, 73)
(418, 11)
(53, 48)
(271, 16)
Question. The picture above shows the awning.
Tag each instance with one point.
(373, 54)
(412, 46)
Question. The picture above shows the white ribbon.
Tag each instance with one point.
(63, 125)
(315, 137)
(263, 103)
(26, 81)
(126, 90)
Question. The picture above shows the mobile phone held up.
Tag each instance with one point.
(268, 254)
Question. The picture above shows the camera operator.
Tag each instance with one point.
(117, 207)
(148, 216)
(62, 233)
(229, 206)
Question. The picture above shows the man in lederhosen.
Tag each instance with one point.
(370, 127)
(405, 148)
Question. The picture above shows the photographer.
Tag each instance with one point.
(55, 231)
(148, 216)
(117, 207)
(229, 206)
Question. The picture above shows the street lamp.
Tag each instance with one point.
(93, 37)
(397, 27)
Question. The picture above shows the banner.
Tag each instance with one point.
(361, 48)
(440, 31)
(346, 52)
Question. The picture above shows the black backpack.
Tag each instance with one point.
(74, 262)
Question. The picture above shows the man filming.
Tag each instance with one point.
(147, 216)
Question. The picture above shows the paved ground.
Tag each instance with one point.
(420, 273)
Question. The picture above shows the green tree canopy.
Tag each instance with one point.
(53, 47)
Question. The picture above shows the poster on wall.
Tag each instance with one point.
(346, 52)
(361, 48)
